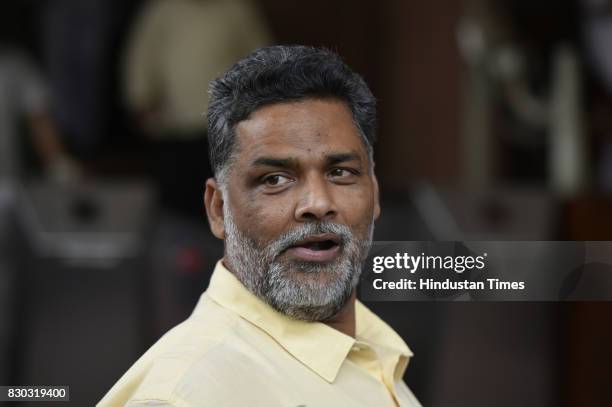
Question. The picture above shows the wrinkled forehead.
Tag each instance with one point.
(308, 130)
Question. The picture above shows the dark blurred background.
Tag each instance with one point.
(495, 124)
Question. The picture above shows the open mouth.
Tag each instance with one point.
(317, 248)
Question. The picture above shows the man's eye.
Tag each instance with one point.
(276, 180)
(341, 173)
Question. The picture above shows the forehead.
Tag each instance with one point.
(312, 126)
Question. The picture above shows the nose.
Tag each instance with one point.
(316, 203)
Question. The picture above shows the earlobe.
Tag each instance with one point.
(213, 201)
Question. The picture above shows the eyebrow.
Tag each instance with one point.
(291, 162)
(274, 162)
(338, 158)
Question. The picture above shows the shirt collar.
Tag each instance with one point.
(303, 340)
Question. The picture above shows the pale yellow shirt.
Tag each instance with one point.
(235, 350)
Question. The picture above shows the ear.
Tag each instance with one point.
(376, 197)
(213, 201)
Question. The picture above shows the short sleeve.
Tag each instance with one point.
(141, 60)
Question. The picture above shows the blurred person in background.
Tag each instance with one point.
(24, 99)
(79, 46)
(294, 198)
(176, 48)
(25, 120)
(523, 115)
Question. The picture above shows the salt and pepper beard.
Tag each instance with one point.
(275, 281)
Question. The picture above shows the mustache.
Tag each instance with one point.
(300, 233)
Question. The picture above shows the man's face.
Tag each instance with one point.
(298, 206)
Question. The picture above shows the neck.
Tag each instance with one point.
(344, 321)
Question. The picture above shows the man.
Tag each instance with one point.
(294, 198)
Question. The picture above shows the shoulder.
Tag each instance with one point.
(199, 362)
(208, 379)
(169, 363)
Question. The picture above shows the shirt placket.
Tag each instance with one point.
(379, 364)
